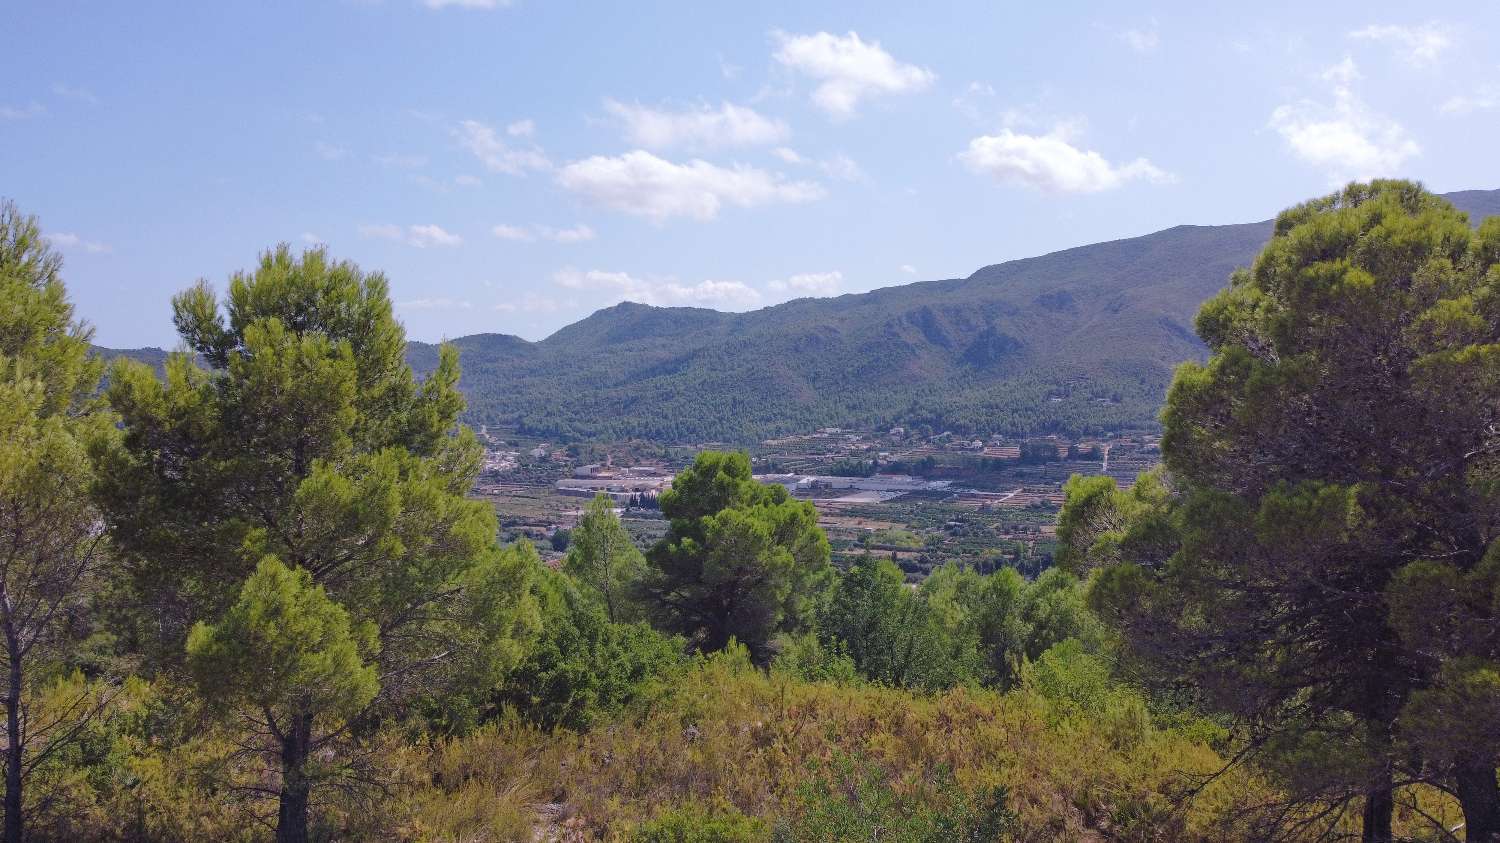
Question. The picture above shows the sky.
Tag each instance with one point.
(514, 166)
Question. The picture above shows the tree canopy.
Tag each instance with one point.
(1332, 461)
(741, 559)
(306, 468)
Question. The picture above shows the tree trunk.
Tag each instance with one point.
(15, 830)
(1380, 804)
(1480, 798)
(291, 819)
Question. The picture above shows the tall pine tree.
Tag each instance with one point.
(1343, 430)
(291, 465)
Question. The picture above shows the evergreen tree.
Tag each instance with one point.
(740, 560)
(50, 544)
(604, 559)
(887, 629)
(291, 462)
(1343, 430)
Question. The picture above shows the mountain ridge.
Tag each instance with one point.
(1078, 341)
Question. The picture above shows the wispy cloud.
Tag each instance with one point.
(700, 127)
(495, 154)
(613, 287)
(439, 303)
(1141, 39)
(809, 284)
(848, 69)
(420, 236)
(73, 93)
(68, 241)
(1344, 137)
(1484, 98)
(11, 112)
(1420, 46)
(642, 184)
(529, 233)
(329, 152)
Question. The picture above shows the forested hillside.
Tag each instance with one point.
(1078, 341)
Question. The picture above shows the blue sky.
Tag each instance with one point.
(512, 167)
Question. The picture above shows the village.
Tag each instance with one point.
(921, 499)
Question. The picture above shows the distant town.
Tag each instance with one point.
(919, 498)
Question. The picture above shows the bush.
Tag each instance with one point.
(693, 823)
(583, 667)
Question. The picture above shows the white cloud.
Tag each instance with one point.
(577, 234)
(69, 241)
(440, 303)
(788, 155)
(1420, 46)
(666, 292)
(466, 180)
(495, 154)
(848, 69)
(312, 239)
(1345, 139)
(465, 4)
(521, 129)
(420, 236)
(810, 283)
(328, 151)
(840, 166)
(702, 127)
(526, 234)
(8, 112)
(1053, 164)
(513, 232)
(72, 93)
(1141, 40)
(642, 184)
(1483, 99)
(908, 269)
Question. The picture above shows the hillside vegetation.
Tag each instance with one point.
(251, 595)
(1075, 342)
(1078, 341)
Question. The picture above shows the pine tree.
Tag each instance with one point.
(51, 549)
(1343, 430)
(290, 459)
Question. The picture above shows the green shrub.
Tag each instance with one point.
(695, 823)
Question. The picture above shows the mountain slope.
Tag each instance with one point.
(1077, 341)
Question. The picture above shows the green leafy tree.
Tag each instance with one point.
(1000, 622)
(288, 653)
(887, 629)
(583, 666)
(1343, 430)
(307, 438)
(740, 560)
(50, 545)
(603, 558)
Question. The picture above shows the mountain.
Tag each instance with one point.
(1078, 341)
